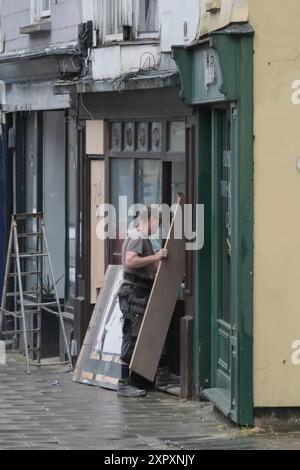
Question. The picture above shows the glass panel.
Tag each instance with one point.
(150, 189)
(45, 7)
(148, 16)
(116, 137)
(114, 17)
(143, 137)
(129, 137)
(156, 137)
(178, 180)
(71, 218)
(31, 164)
(225, 221)
(150, 183)
(31, 202)
(224, 363)
(122, 184)
(176, 137)
(54, 195)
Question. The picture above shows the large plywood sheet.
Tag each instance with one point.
(97, 245)
(161, 306)
(95, 137)
(99, 361)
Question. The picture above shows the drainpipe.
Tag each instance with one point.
(11, 143)
(14, 164)
(2, 183)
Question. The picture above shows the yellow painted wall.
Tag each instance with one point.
(277, 202)
(231, 11)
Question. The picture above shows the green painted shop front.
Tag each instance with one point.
(217, 81)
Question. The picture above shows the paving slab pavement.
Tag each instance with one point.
(37, 415)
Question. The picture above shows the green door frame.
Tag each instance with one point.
(224, 332)
(235, 54)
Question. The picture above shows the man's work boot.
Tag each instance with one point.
(164, 378)
(126, 389)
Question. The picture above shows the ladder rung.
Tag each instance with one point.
(49, 364)
(29, 350)
(17, 315)
(48, 310)
(17, 332)
(33, 234)
(27, 216)
(29, 312)
(30, 255)
(14, 294)
(40, 305)
(7, 312)
(32, 312)
(25, 274)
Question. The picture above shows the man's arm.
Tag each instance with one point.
(135, 261)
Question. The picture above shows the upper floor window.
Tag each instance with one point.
(40, 9)
(148, 16)
(122, 19)
(116, 15)
(45, 8)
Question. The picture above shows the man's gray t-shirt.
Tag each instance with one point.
(142, 246)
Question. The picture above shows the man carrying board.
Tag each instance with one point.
(140, 265)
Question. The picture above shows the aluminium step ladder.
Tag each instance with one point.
(22, 303)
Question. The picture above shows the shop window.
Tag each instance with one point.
(116, 137)
(156, 137)
(149, 182)
(143, 137)
(138, 137)
(54, 194)
(122, 184)
(147, 164)
(176, 137)
(129, 137)
(71, 219)
(178, 180)
(141, 182)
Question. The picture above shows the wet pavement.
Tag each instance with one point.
(48, 411)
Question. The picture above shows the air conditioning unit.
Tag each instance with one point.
(213, 6)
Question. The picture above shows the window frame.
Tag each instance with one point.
(44, 13)
(130, 17)
(164, 153)
(37, 13)
(145, 35)
(166, 158)
(115, 37)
